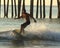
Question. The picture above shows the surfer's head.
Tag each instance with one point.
(24, 11)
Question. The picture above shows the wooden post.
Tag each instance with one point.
(58, 3)
(31, 7)
(0, 8)
(15, 8)
(12, 8)
(58, 8)
(7, 8)
(40, 9)
(43, 8)
(37, 9)
(0, 3)
(50, 10)
(23, 8)
(19, 7)
(4, 9)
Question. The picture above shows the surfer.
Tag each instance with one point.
(27, 17)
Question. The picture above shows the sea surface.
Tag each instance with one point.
(43, 34)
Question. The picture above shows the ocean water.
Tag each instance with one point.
(43, 34)
(47, 11)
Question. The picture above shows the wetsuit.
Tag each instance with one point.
(26, 16)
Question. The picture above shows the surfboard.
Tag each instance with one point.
(17, 33)
(11, 35)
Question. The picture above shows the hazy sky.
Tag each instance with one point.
(28, 2)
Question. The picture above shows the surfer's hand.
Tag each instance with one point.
(35, 21)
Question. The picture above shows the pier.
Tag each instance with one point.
(16, 8)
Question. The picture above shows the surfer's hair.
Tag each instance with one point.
(24, 11)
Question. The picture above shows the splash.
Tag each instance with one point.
(36, 27)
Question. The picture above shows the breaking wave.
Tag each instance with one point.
(33, 33)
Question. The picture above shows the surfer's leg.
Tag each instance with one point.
(24, 26)
(21, 30)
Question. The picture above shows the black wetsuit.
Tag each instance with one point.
(27, 21)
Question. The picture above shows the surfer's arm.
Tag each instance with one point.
(32, 17)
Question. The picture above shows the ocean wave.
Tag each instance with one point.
(42, 35)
